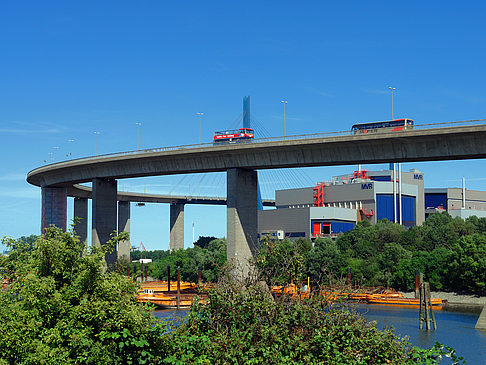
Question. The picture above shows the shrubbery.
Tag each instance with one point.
(63, 308)
(450, 252)
(209, 259)
(242, 324)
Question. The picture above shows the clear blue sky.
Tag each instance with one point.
(69, 68)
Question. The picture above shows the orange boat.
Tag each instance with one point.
(292, 290)
(161, 286)
(363, 294)
(372, 299)
(169, 300)
(157, 292)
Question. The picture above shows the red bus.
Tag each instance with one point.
(234, 136)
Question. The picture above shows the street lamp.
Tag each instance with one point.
(54, 154)
(392, 90)
(284, 102)
(139, 125)
(70, 148)
(200, 123)
(96, 134)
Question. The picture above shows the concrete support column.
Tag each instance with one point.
(104, 222)
(481, 323)
(242, 237)
(54, 208)
(124, 226)
(81, 219)
(176, 226)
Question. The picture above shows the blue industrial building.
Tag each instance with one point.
(456, 201)
(335, 206)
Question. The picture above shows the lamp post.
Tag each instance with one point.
(70, 148)
(200, 123)
(284, 102)
(54, 154)
(96, 136)
(139, 125)
(392, 90)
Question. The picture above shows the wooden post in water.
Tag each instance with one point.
(416, 284)
(426, 314)
(178, 287)
(168, 278)
(141, 267)
(146, 272)
(421, 300)
(430, 307)
(426, 302)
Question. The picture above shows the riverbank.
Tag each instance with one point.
(452, 297)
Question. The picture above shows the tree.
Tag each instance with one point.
(325, 259)
(242, 324)
(478, 223)
(62, 307)
(203, 241)
(442, 230)
(280, 261)
(210, 260)
(468, 262)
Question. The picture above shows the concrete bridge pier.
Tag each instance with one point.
(481, 323)
(54, 208)
(81, 219)
(242, 237)
(104, 215)
(124, 226)
(176, 226)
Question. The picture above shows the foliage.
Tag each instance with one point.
(210, 260)
(242, 324)
(62, 307)
(204, 241)
(449, 251)
(155, 255)
(468, 263)
(281, 261)
(324, 258)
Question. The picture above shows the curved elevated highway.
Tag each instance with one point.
(240, 162)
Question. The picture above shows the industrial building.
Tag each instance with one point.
(335, 206)
(456, 201)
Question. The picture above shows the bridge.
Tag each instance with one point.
(240, 161)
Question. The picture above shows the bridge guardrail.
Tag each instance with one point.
(271, 139)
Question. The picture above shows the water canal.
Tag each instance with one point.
(454, 328)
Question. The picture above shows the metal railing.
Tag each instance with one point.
(272, 139)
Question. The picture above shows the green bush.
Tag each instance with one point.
(242, 324)
(62, 307)
(209, 259)
(449, 251)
